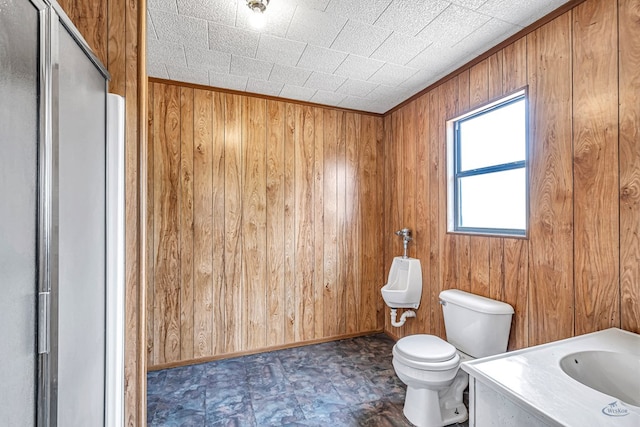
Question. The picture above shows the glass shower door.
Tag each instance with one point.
(19, 77)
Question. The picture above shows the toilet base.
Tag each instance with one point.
(422, 408)
(437, 408)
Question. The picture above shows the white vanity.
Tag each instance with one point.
(589, 380)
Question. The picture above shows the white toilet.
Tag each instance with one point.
(476, 327)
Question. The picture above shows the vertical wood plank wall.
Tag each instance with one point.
(264, 223)
(578, 271)
(112, 27)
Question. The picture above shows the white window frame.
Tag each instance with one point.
(453, 219)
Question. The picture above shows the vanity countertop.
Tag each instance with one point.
(533, 379)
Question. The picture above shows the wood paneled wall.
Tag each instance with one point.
(264, 223)
(578, 270)
(114, 29)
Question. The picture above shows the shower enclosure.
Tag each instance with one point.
(53, 222)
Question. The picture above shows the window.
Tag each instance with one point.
(487, 159)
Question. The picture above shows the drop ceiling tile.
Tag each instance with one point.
(279, 50)
(366, 11)
(469, 4)
(519, 12)
(151, 31)
(315, 27)
(218, 62)
(264, 87)
(382, 91)
(417, 82)
(228, 81)
(356, 103)
(358, 67)
(157, 69)
(356, 88)
(400, 49)
(241, 66)
(312, 4)
(360, 39)
(297, 92)
(323, 81)
(327, 97)
(276, 18)
(181, 29)
(490, 34)
(233, 40)
(452, 25)
(222, 12)
(188, 75)
(392, 75)
(410, 16)
(290, 75)
(321, 59)
(169, 53)
(166, 5)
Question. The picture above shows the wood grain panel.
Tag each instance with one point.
(167, 224)
(463, 242)
(629, 89)
(495, 75)
(186, 223)
(369, 279)
(435, 249)
(341, 201)
(497, 288)
(352, 213)
(304, 161)
(289, 223)
(318, 223)
(218, 200)
(448, 108)
(150, 243)
(595, 184)
(233, 223)
(379, 223)
(275, 223)
(514, 66)
(254, 221)
(330, 232)
(479, 84)
(388, 201)
(203, 223)
(551, 197)
(422, 231)
(516, 290)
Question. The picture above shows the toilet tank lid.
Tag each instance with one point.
(475, 302)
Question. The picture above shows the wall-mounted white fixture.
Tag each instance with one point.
(258, 8)
(404, 284)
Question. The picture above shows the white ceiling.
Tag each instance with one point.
(367, 55)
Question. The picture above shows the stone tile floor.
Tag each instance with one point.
(342, 383)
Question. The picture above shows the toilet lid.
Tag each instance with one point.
(427, 348)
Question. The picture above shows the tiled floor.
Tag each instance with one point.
(342, 383)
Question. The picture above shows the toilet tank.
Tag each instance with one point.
(476, 325)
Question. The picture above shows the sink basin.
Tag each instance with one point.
(611, 373)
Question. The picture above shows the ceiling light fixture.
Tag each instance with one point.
(257, 8)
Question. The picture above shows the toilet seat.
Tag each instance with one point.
(426, 352)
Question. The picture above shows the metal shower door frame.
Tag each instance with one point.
(50, 15)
